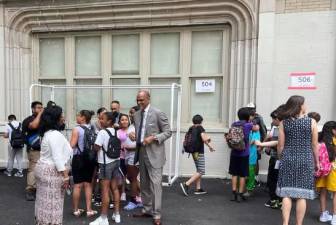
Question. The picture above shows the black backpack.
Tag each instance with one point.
(113, 147)
(189, 142)
(88, 152)
(17, 138)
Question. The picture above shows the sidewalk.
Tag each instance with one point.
(214, 208)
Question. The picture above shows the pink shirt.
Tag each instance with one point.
(122, 135)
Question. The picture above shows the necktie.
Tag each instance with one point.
(140, 128)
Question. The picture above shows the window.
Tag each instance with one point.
(88, 56)
(126, 97)
(51, 57)
(161, 98)
(208, 104)
(59, 94)
(206, 52)
(125, 54)
(165, 53)
(90, 99)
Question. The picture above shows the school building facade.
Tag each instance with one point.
(247, 50)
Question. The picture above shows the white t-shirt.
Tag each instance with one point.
(55, 150)
(129, 143)
(9, 130)
(102, 140)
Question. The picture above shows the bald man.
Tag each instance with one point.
(151, 131)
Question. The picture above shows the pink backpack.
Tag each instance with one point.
(325, 165)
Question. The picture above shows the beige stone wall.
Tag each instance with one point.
(293, 6)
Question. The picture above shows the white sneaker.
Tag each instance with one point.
(116, 218)
(325, 217)
(100, 221)
(18, 174)
(9, 174)
(333, 220)
(123, 197)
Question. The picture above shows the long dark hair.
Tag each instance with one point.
(327, 138)
(292, 107)
(50, 119)
(111, 117)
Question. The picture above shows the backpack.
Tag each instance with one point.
(325, 165)
(189, 141)
(17, 138)
(89, 154)
(236, 138)
(113, 147)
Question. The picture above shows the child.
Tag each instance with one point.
(253, 158)
(109, 172)
(14, 152)
(198, 156)
(328, 183)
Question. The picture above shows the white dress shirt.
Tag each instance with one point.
(55, 150)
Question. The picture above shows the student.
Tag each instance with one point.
(253, 158)
(109, 172)
(14, 149)
(273, 167)
(128, 148)
(314, 115)
(82, 170)
(327, 182)
(199, 137)
(239, 159)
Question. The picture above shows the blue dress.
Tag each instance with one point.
(296, 170)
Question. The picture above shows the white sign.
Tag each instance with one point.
(204, 86)
(301, 81)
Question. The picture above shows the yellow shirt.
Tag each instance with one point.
(334, 140)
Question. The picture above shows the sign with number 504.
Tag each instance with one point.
(302, 81)
(204, 86)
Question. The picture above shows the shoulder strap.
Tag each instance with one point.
(109, 132)
(11, 126)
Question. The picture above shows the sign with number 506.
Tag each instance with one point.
(302, 81)
(205, 86)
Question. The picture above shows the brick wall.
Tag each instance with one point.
(291, 6)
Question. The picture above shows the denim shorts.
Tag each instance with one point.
(109, 171)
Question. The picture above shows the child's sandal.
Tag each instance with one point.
(78, 212)
(91, 213)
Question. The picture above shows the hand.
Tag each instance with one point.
(132, 136)
(148, 140)
(211, 149)
(66, 183)
(317, 166)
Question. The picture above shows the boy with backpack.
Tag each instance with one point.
(193, 144)
(15, 145)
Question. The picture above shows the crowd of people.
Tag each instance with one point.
(117, 149)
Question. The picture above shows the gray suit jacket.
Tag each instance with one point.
(156, 124)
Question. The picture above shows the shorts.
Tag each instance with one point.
(109, 171)
(239, 166)
(129, 158)
(327, 182)
(199, 161)
(81, 170)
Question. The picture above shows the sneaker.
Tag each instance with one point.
(275, 204)
(333, 220)
(9, 174)
(130, 206)
(269, 203)
(98, 204)
(247, 194)
(100, 221)
(184, 188)
(18, 174)
(116, 218)
(111, 206)
(123, 197)
(325, 217)
(200, 192)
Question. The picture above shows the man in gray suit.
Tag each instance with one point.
(151, 131)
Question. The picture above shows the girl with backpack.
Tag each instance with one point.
(326, 175)
(109, 173)
(82, 169)
(196, 146)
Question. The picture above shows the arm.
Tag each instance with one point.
(206, 140)
(315, 144)
(96, 147)
(36, 122)
(164, 128)
(56, 145)
(74, 138)
(281, 139)
(266, 144)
